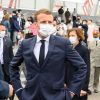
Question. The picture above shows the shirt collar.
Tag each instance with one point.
(46, 39)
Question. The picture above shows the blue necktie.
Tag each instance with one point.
(42, 52)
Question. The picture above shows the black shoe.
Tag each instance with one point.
(95, 91)
(89, 92)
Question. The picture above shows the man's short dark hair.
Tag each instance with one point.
(43, 11)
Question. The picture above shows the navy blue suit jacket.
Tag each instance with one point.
(84, 53)
(7, 53)
(14, 24)
(46, 82)
(4, 87)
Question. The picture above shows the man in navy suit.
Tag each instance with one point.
(6, 53)
(6, 89)
(45, 56)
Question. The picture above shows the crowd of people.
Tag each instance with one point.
(59, 56)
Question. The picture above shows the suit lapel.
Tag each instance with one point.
(4, 45)
(32, 50)
(50, 49)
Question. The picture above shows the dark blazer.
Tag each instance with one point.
(7, 55)
(4, 87)
(46, 82)
(14, 24)
(84, 53)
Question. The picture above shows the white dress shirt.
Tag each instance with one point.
(38, 45)
(37, 50)
(1, 50)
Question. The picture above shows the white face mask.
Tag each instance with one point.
(96, 39)
(19, 15)
(18, 37)
(2, 34)
(73, 40)
(46, 30)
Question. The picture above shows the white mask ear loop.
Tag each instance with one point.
(2, 34)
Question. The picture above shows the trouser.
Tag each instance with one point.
(23, 68)
(67, 20)
(61, 16)
(6, 76)
(74, 18)
(13, 36)
(91, 74)
(96, 78)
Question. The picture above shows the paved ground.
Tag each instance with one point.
(94, 96)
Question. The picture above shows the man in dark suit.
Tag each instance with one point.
(6, 89)
(44, 57)
(61, 12)
(14, 27)
(6, 53)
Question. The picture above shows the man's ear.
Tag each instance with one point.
(35, 24)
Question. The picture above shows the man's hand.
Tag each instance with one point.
(83, 93)
(72, 94)
(10, 90)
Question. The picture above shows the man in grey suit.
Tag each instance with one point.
(44, 56)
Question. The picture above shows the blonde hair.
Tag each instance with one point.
(6, 17)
